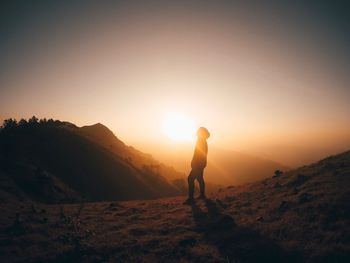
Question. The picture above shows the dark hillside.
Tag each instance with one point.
(300, 216)
(93, 171)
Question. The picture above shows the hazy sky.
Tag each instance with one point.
(263, 77)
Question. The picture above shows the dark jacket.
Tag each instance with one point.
(199, 160)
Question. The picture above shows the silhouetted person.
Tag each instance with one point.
(199, 162)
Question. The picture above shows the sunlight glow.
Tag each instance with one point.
(178, 127)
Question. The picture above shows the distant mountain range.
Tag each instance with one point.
(236, 168)
(224, 167)
(56, 161)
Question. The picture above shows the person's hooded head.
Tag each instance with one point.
(203, 133)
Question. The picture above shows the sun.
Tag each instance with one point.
(178, 127)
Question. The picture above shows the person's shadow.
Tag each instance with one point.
(235, 243)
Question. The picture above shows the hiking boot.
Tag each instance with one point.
(189, 201)
(202, 197)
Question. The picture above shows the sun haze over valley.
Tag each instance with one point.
(178, 127)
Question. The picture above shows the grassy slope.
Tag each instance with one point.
(301, 216)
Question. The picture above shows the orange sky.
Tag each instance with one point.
(260, 81)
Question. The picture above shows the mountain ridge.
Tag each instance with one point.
(86, 166)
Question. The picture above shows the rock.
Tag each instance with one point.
(137, 232)
(305, 197)
(187, 242)
(220, 203)
(114, 204)
(278, 173)
(277, 185)
(328, 166)
(33, 209)
(221, 222)
(284, 206)
(260, 219)
(230, 198)
(17, 227)
(299, 180)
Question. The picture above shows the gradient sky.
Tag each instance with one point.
(266, 78)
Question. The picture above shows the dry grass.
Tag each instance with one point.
(302, 215)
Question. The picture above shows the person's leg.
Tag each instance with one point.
(200, 180)
(190, 179)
